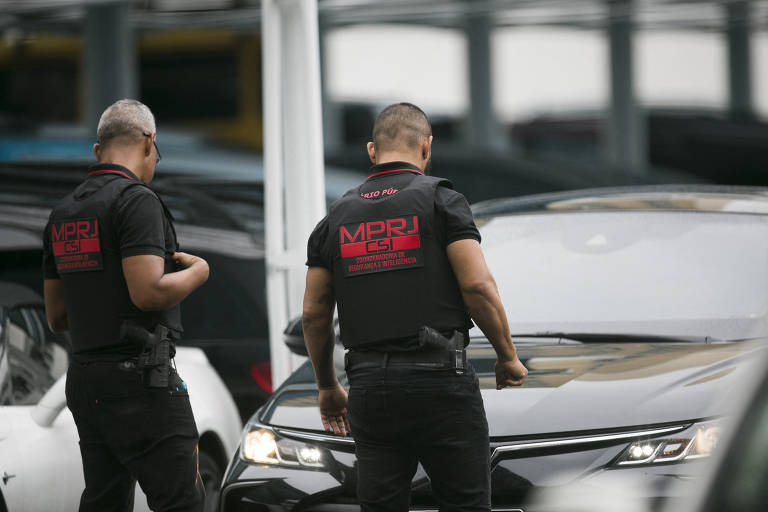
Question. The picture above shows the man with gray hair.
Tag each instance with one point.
(114, 278)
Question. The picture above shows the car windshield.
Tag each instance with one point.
(656, 273)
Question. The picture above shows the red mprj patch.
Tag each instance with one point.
(76, 245)
(380, 245)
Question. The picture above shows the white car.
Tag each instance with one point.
(40, 466)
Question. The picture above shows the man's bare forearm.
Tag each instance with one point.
(485, 308)
(481, 296)
(151, 289)
(55, 306)
(175, 287)
(319, 338)
(317, 324)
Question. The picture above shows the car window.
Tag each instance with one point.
(658, 273)
(231, 304)
(35, 356)
(6, 392)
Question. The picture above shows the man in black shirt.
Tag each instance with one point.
(400, 256)
(114, 279)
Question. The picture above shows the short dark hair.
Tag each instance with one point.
(398, 125)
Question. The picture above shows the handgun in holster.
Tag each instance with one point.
(155, 358)
(432, 339)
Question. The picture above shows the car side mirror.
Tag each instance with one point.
(293, 336)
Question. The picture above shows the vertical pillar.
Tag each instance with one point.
(739, 59)
(294, 185)
(109, 59)
(332, 130)
(625, 138)
(483, 130)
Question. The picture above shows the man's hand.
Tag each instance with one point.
(151, 289)
(510, 373)
(185, 260)
(333, 410)
(55, 306)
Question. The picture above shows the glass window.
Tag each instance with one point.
(657, 273)
(35, 356)
(231, 304)
(6, 391)
(209, 82)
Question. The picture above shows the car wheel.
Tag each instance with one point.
(212, 475)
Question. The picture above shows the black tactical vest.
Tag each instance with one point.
(89, 264)
(390, 271)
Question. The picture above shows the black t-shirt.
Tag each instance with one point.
(453, 215)
(139, 220)
(139, 226)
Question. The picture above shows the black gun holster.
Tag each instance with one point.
(432, 339)
(154, 361)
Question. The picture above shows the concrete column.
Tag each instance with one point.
(483, 130)
(739, 60)
(109, 59)
(332, 123)
(625, 139)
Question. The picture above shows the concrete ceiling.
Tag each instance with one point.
(702, 15)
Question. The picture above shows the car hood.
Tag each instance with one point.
(578, 388)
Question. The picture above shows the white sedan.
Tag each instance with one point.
(40, 466)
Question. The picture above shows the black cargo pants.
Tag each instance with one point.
(405, 414)
(130, 433)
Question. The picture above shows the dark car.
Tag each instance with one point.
(226, 318)
(637, 312)
(216, 198)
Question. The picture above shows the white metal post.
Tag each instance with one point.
(294, 184)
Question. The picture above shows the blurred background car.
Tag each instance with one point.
(39, 456)
(736, 480)
(639, 312)
(218, 217)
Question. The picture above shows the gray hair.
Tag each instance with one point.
(125, 119)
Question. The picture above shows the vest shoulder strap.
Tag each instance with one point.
(437, 181)
(166, 211)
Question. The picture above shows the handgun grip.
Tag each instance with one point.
(135, 334)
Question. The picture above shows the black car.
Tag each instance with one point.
(227, 317)
(637, 312)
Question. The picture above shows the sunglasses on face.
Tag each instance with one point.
(158, 156)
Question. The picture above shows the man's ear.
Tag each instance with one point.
(371, 147)
(96, 151)
(426, 148)
(148, 145)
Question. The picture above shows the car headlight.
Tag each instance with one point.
(696, 442)
(263, 446)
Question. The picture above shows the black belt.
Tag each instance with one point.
(85, 360)
(358, 359)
